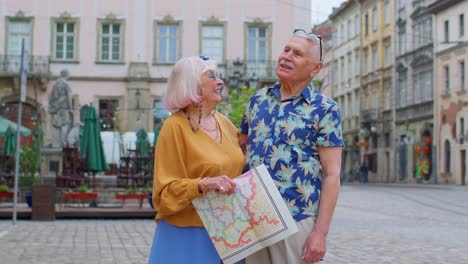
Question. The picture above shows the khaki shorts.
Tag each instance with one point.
(288, 251)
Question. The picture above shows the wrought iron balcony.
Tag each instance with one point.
(37, 65)
(243, 71)
(370, 115)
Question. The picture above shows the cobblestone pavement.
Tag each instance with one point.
(372, 224)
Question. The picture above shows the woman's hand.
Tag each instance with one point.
(220, 184)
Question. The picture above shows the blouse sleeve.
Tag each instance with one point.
(173, 188)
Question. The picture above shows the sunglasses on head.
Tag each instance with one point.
(309, 35)
(204, 58)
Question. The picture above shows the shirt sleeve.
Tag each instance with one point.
(244, 125)
(173, 188)
(329, 131)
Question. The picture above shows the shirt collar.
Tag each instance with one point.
(307, 93)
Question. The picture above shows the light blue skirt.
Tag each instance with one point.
(182, 245)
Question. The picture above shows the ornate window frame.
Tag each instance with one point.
(168, 20)
(110, 19)
(65, 17)
(213, 21)
(258, 23)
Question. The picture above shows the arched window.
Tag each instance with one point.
(447, 156)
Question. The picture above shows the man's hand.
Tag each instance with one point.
(314, 247)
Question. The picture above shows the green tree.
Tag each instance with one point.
(236, 104)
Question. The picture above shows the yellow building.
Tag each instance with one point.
(376, 96)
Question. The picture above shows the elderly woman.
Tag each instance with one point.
(197, 152)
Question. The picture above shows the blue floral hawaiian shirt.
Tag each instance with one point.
(284, 135)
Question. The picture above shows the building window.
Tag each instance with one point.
(462, 75)
(447, 79)
(401, 42)
(402, 86)
(388, 95)
(418, 84)
(446, 31)
(167, 42)
(366, 23)
(357, 25)
(111, 35)
(17, 31)
(428, 85)
(374, 19)
(110, 42)
(107, 110)
(462, 25)
(257, 44)
(350, 33)
(366, 60)
(387, 140)
(357, 61)
(335, 69)
(342, 69)
(356, 103)
(462, 130)
(344, 33)
(387, 13)
(387, 53)
(65, 40)
(374, 58)
(213, 42)
(447, 156)
(350, 67)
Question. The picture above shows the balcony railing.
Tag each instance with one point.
(11, 64)
(263, 70)
(370, 115)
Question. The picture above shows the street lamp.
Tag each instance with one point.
(137, 99)
(238, 76)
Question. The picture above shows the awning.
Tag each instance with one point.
(5, 123)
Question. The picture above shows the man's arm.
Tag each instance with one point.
(315, 244)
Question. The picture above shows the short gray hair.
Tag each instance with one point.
(183, 87)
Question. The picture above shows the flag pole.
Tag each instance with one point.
(22, 96)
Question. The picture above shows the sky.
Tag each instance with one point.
(321, 9)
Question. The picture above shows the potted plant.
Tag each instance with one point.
(5, 192)
(29, 165)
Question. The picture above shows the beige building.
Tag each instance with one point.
(376, 97)
(119, 53)
(346, 83)
(451, 97)
(414, 100)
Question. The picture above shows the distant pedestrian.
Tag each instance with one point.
(363, 171)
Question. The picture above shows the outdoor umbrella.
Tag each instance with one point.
(91, 144)
(5, 124)
(142, 143)
(9, 143)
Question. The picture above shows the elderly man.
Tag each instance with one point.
(296, 132)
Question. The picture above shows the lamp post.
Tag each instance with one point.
(137, 99)
(238, 76)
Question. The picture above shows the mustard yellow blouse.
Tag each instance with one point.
(182, 158)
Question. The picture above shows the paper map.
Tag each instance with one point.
(252, 218)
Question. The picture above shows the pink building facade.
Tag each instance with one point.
(119, 53)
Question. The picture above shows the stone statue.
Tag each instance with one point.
(60, 109)
(73, 138)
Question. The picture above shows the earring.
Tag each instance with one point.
(200, 108)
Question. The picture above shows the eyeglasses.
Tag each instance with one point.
(309, 35)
